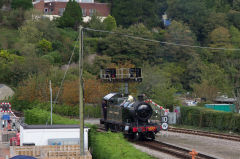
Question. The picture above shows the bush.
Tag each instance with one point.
(202, 117)
(39, 116)
(113, 145)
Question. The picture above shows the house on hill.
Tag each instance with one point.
(55, 8)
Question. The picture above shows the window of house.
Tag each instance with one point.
(45, 10)
(84, 12)
(92, 12)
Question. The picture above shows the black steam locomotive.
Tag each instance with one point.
(129, 116)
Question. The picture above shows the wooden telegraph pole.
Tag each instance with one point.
(81, 115)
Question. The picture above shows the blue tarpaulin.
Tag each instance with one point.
(23, 157)
(6, 117)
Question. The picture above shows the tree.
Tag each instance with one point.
(110, 23)
(72, 16)
(96, 23)
(23, 4)
(213, 79)
(236, 5)
(181, 34)
(44, 46)
(235, 36)
(136, 11)
(219, 5)
(234, 18)
(214, 21)
(156, 86)
(194, 13)
(220, 38)
(123, 49)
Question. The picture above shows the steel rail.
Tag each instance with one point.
(205, 133)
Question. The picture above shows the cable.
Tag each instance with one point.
(162, 42)
(65, 73)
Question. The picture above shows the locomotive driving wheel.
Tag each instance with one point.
(106, 126)
(136, 136)
(152, 136)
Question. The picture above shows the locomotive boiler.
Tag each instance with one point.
(129, 115)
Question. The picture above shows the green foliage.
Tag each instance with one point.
(90, 111)
(24, 4)
(113, 145)
(96, 23)
(234, 18)
(236, 5)
(179, 33)
(49, 58)
(123, 49)
(138, 11)
(39, 116)
(8, 57)
(202, 117)
(110, 23)
(235, 36)
(193, 13)
(15, 18)
(218, 6)
(156, 86)
(44, 46)
(72, 16)
(56, 57)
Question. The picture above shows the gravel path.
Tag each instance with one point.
(219, 148)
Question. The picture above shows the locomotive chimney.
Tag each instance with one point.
(141, 97)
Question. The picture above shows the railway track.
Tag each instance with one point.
(205, 133)
(171, 149)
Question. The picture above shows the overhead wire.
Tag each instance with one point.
(65, 73)
(162, 42)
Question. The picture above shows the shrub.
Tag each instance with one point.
(39, 116)
(202, 117)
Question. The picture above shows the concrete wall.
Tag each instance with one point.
(40, 136)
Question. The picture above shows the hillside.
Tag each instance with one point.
(199, 52)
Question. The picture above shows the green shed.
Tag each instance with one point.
(222, 107)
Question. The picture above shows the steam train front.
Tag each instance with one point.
(130, 116)
(139, 113)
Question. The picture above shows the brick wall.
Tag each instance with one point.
(39, 5)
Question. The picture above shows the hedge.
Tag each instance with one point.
(202, 117)
(39, 116)
(113, 145)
